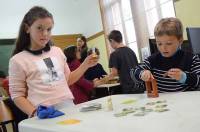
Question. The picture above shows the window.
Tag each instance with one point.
(119, 16)
(155, 10)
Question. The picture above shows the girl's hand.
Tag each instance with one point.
(90, 61)
(97, 82)
(146, 75)
(175, 73)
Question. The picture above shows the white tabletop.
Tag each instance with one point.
(184, 116)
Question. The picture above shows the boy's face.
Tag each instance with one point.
(168, 45)
(113, 44)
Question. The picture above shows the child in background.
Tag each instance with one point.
(82, 88)
(82, 47)
(5, 85)
(121, 60)
(174, 69)
(96, 71)
(2, 77)
(38, 72)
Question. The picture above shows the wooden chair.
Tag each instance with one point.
(6, 117)
(3, 92)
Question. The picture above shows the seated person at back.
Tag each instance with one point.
(174, 69)
(82, 47)
(2, 77)
(5, 85)
(96, 71)
(83, 87)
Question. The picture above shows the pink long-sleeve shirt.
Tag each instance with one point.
(42, 79)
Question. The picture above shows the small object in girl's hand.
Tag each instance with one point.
(94, 55)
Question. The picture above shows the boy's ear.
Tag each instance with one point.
(181, 40)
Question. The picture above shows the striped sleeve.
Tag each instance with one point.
(145, 65)
(193, 77)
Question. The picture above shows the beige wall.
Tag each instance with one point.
(188, 12)
(99, 42)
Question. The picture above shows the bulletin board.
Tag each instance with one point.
(6, 48)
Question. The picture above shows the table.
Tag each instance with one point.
(106, 89)
(184, 116)
(108, 85)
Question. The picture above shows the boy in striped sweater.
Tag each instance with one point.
(174, 69)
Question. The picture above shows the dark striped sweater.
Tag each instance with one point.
(158, 65)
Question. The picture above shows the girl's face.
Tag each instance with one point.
(40, 33)
(78, 54)
(80, 42)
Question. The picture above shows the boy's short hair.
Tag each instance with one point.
(115, 35)
(169, 26)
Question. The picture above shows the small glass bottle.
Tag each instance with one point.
(94, 55)
(109, 104)
(152, 88)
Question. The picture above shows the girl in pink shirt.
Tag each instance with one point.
(38, 73)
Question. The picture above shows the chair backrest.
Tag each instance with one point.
(3, 92)
(5, 112)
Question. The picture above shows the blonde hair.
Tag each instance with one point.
(169, 26)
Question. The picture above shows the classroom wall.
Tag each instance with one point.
(6, 49)
(70, 16)
(90, 17)
(63, 41)
(188, 12)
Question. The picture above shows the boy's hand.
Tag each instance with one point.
(175, 73)
(146, 75)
